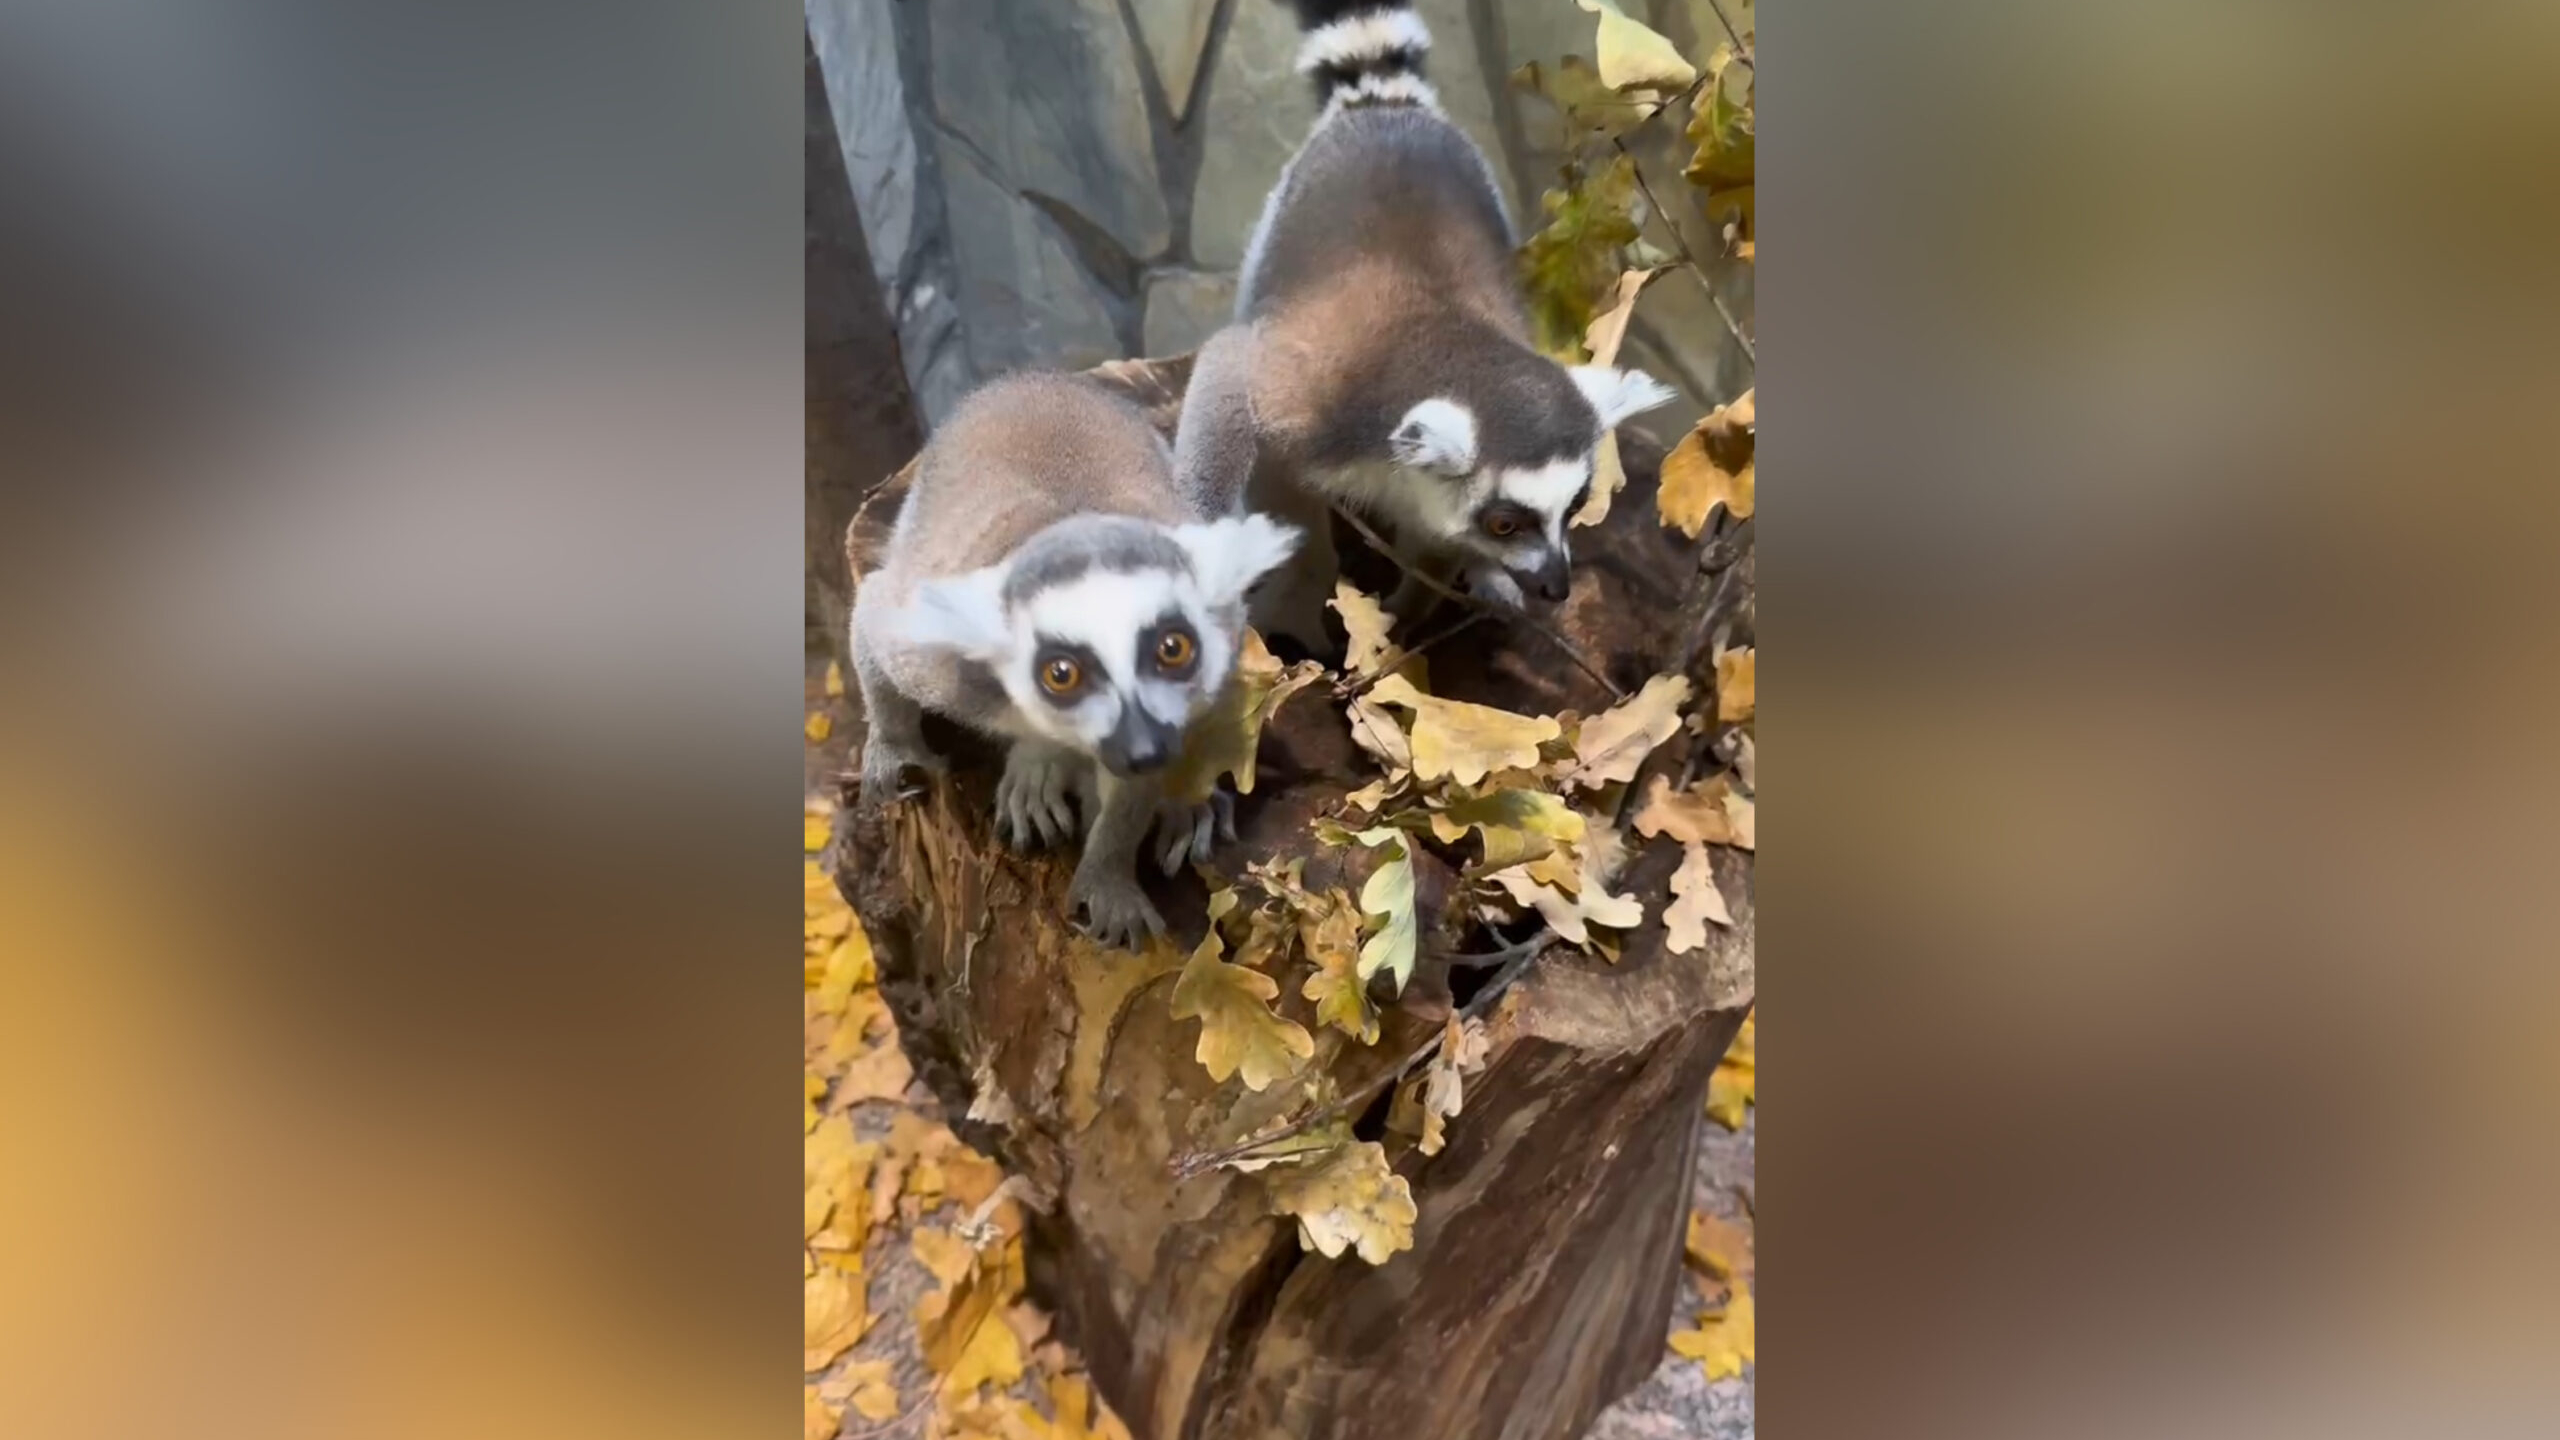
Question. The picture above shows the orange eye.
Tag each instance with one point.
(1175, 650)
(1502, 525)
(1061, 676)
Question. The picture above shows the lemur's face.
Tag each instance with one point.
(1109, 635)
(1507, 523)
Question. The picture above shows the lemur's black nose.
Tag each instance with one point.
(1554, 579)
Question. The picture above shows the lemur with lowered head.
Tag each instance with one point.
(1380, 355)
(1048, 583)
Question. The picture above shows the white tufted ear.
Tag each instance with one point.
(1436, 435)
(961, 612)
(1619, 394)
(1228, 555)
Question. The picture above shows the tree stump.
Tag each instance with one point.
(1546, 1254)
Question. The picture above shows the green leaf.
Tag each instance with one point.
(1570, 268)
(1388, 899)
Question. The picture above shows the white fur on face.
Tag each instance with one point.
(1105, 611)
(1547, 489)
(1362, 37)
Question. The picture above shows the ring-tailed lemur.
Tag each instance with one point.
(1047, 583)
(1380, 356)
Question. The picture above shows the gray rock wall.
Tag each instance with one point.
(1056, 183)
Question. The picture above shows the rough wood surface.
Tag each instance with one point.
(1546, 1253)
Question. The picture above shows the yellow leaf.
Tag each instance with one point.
(818, 727)
(833, 1316)
(1375, 730)
(1737, 685)
(1238, 1031)
(814, 828)
(1723, 1341)
(849, 967)
(1736, 1083)
(818, 1419)
(812, 1087)
(1609, 330)
(871, 1386)
(1711, 466)
(1516, 825)
(949, 1320)
(992, 1356)
(1613, 743)
(1463, 1044)
(1632, 53)
(882, 1073)
(1700, 813)
(1608, 477)
(1366, 622)
(1227, 738)
(1331, 938)
(1453, 740)
(1718, 1247)
(944, 1255)
(835, 681)
(1698, 902)
(1349, 1199)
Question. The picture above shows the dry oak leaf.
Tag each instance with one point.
(1238, 1031)
(1329, 931)
(1228, 737)
(961, 1327)
(1608, 477)
(1723, 1342)
(833, 1315)
(1709, 813)
(1609, 329)
(1737, 685)
(1366, 622)
(1711, 466)
(1612, 744)
(869, 1385)
(1698, 901)
(1632, 53)
(1348, 1200)
(1071, 1400)
(1453, 740)
(818, 1419)
(835, 681)
(1516, 825)
(850, 967)
(1463, 1044)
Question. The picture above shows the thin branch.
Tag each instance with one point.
(1697, 271)
(1520, 618)
(1741, 51)
(1394, 660)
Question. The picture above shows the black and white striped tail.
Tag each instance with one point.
(1365, 52)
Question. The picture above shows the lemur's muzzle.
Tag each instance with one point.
(1139, 743)
(1551, 581)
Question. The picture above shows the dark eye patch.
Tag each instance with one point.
(1171, 622)
(1088, 666)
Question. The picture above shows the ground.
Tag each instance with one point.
(1678, 1400)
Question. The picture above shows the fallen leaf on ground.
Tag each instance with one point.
(1454, 740)
(1700, 813)
(1736, 1083)
(815, 826)
(818, 1419)
(1723, 1341)
(1238, 1031)
(833, 1315)
(1718, 1247)
(881, 1073)
(835, 681)
(870, 1386)
(1698, 902)
(1350, 1199)
(1366, 621)
(818, 726)
(1516, 825)
(1331, 938)
(1613, 743)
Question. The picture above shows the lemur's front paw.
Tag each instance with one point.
(1186, 832)
(1113, 910)
(1035, 800)
(891, 771)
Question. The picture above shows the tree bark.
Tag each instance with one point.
(1547, 1250)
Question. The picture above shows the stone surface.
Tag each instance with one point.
(1024, 300)
(1176, 32)
(1047, 98)
(1185, 307)
(857, 49)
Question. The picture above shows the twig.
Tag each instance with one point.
(1741, 51)
(1520, 618)
(1687, 257)
(1394, 659)
(1186, 1166)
